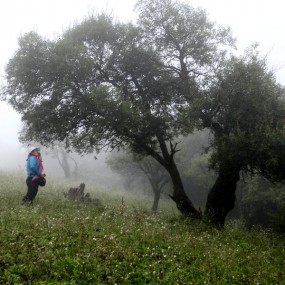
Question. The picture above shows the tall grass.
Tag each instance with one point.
(57, 241)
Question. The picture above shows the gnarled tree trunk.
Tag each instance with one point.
(183, 203)
(221, 198)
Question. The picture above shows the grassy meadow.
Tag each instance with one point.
(57, 241)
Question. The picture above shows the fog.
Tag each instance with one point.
(10, 149)
(13, 155)
(49, 19)
(251, 21)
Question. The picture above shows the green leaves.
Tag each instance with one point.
(247, 123)
(104, 82)
(189, 43)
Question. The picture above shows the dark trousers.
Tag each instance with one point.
(32, 190)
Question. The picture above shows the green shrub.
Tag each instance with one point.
(264, 204)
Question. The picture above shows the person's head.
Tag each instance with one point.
(34, 150)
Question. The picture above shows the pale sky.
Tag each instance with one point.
(251, 21)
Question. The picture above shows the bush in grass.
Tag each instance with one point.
(264, 204)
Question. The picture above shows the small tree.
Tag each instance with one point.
(64, 158)
(132, 167)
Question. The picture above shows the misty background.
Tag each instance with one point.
(251, 21)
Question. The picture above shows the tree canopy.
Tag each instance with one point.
(245, 110)
(248, 123)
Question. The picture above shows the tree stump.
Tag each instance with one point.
(77, 194)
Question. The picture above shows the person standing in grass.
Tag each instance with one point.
(34, 172)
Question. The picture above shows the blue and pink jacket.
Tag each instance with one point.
(34, 166)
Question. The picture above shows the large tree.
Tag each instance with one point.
(245, 110)
(104, 83)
